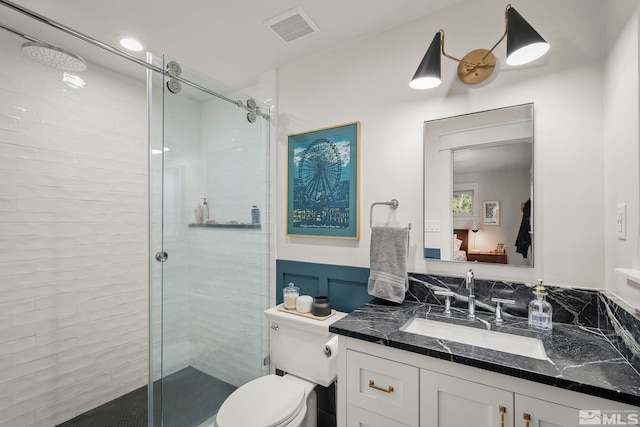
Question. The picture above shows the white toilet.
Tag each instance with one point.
(307, 352)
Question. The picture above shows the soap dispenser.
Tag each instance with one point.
(540, 311)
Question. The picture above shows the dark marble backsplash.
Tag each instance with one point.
(573, 306)
(582, 307)
(620, 326)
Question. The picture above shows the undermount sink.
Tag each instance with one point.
(508, 343)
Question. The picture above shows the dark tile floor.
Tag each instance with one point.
(190, 397)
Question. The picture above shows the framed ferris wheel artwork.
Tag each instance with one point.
(323, 182)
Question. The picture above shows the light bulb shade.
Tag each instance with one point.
(475, 227)
(524, 44)
(428, 74)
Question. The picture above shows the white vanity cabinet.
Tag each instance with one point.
(540, 413)
(447, 401)
(414, 390)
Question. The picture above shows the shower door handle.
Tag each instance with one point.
(161, 256)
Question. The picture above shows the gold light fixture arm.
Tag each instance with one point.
(477, 65)
(501, 38)
(468, 64)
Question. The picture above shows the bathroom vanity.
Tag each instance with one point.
(388, 377)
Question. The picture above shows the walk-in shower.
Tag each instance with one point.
(98, 179)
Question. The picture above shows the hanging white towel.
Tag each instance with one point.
(388, 263)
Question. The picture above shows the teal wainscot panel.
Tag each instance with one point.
(345, 286)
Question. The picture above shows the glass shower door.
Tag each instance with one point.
(208, 331)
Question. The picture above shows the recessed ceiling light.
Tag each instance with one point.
(131, 44)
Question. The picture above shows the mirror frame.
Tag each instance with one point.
(467, 131)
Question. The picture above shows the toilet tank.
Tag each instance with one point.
(297, 346)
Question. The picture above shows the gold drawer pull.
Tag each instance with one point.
(527, 418)
(502, 411)
(386, 390)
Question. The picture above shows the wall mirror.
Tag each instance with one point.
(478, 182)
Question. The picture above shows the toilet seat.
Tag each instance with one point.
(268, 401)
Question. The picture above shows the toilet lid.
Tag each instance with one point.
(267, 401)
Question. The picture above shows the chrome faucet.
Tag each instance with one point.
(472, 297)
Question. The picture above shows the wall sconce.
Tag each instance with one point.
(524, 45)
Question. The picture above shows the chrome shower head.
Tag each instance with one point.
(54, 57)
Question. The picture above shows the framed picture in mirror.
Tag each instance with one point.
(491, 212)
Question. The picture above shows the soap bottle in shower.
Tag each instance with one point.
(540, 311)
(205, 210)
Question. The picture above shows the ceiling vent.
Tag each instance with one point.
(292, 25)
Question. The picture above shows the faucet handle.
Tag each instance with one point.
(499, 302)
(447, 301)
(503, 300)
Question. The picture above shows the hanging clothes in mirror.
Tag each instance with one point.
(523, 241)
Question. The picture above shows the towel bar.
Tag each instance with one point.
(394, 205)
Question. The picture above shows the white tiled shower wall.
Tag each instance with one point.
(73, 240)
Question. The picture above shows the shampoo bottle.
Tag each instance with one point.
(205, 210)
(255, 215)
(540, 311)
(198, 212)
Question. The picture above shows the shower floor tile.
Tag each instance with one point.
(191, 397)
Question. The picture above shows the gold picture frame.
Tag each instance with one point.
(323, 197)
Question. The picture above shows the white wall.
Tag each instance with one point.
(368, 81)
(73, 240)
(621, 141)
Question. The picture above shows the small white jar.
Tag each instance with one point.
(303, 303)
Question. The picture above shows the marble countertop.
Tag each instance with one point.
(579, 358)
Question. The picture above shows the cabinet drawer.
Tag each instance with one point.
(453, 402)
(358, 417)
(382, 386)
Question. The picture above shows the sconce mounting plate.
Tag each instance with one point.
(480, 70)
